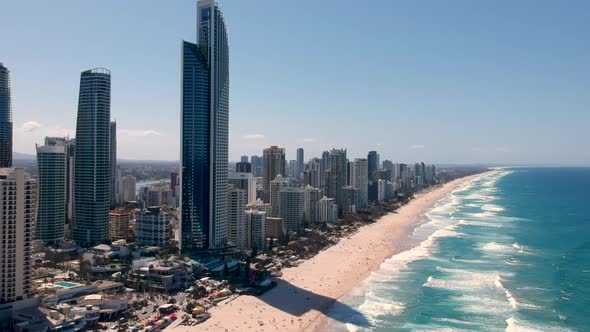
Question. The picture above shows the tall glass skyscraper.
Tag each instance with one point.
(373, 159)
(52, 163)
(113, 163)
(300, 163)
(5, 118)
(92, 161)
(337, 175)
(205, 114)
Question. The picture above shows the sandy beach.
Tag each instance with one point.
(306, 291)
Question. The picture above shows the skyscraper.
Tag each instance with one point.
(419, 174)
(328, 210)
(93, 159)
(312, 175)
(113, 162)
(204, 147)
(244, 181)
(292, 169)
(175, 183)
(388, 165)
(291, 209)
(51, 206)
(311, 205)
(300, 163)
(257, 224)
(324, 168)
(350, 199)
(273, 165)
(5, 118)
(238, 199)
(18, 195)
(373, 159)
(276, 186)
(244, 159)
(360, 180)
(337, 175)
(243, 167)
(129, 188)
(69, 147)
(256, 162)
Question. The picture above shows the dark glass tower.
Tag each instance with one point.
(337, 175)
(373, 158)
(205, 113)
(52, 163)
(300, 163)
(5, 118)
(113, 164)
(92, 161)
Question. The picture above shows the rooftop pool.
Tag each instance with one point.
(66, 284)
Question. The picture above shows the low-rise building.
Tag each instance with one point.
(119, 224)
(274, 228)
(153, 228)
(160, 275)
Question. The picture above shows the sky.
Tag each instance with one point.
(456, 81)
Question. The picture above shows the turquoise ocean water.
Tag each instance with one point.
(509, 251)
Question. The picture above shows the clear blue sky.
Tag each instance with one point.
(439, 81)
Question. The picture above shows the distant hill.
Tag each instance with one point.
(23, 156)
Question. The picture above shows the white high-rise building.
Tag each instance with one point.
(18, 197)
(257, 223)
(311, 205)
(259, 205)
(328, 210)
(153, 228)
(244, 181)
(275, 188)
(291, 209)
(52, 185)
(237, 217)
(312, 175)
(129, 188)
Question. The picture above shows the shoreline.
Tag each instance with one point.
(304, 294)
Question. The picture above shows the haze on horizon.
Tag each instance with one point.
(442, 82)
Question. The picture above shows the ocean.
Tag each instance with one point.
(509, 251)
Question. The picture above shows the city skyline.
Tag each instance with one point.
(369, 152)
(480, 85)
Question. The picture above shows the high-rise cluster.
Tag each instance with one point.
(299, 194)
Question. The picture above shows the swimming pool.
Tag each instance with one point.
(66, 284)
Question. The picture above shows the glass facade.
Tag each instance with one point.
(5, 118)
(92, 162)
(52, 184)
(205, 114)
